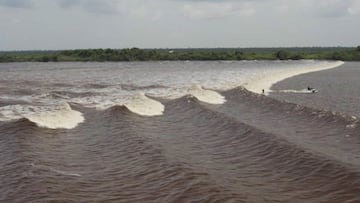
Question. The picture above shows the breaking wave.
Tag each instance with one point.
(142, 105)
(251, 148)
(207, 96)
(266, 80)
(53, 117)
(302, 91)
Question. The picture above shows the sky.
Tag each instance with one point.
(79, 24)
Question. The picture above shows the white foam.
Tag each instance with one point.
(142, 105)
(303, 91)
(62, 117)
(353, 125)
(207, 96)
(9, 113)
(265, 81)
(170, 81)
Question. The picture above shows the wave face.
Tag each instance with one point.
(62, 117)
(207, 96)
(151, 136)
(52, 117)
(142, 105)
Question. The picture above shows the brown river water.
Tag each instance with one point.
(288, 146)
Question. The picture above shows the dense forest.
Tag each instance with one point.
(136, 54)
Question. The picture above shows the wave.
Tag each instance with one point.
(193, 150)
(132, 87)
(53, 117)
(227, 131)
(288, 110)
(70, 94)
(324, 132)
(46, 168)
(286, 107)
(62, 117)
(138, 103)
(142, 105)
(265, 81)
(207, 96)
(303, 91)
(252, 148)
(96, 86)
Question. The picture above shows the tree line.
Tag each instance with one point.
(136, 54)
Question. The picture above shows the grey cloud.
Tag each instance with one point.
(198, 23)
(97, 6)
(69, 3)
(16, 3)
(223, 1)
(326, 8)
(337, 10)
(94, 6)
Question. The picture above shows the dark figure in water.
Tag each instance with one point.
(263, 91)
(311, 89)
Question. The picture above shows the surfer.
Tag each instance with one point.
(313, 90)
(263, 91)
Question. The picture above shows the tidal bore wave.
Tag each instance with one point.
(198, 152)
(242, 147)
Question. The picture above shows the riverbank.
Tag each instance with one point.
(136, 54)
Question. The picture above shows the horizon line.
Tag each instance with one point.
(168, 48)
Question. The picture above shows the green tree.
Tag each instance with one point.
(337, 56)
(282, 55)
(54, 58)
(45, 59)
(297, 57)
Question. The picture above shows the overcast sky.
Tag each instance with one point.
(70, 24)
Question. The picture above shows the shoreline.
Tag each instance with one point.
(202, 54)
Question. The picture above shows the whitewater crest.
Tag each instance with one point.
(53, 117)
(265, 80)
(142, 105)
(302, 91)
(62, 117)
(207, 96)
